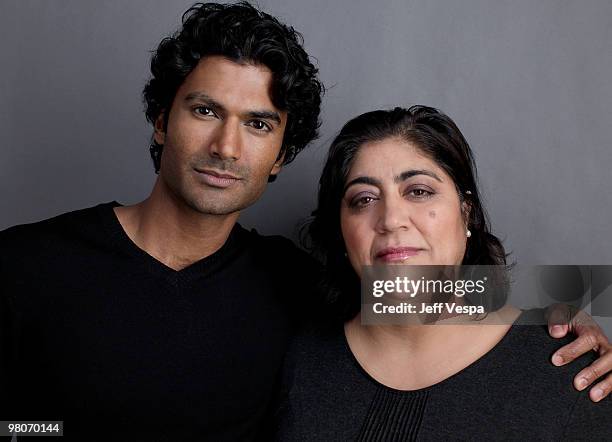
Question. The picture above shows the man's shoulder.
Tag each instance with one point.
(292, 268)
(276, 246)
(61, 227)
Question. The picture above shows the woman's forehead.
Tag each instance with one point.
(390, 157)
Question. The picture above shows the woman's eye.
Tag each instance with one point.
(419, 193)
(362, 201)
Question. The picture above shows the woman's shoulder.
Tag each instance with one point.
(522, 362)
(529, 333)
(529, 346)
(529, 352)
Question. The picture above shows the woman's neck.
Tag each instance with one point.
(417, 356)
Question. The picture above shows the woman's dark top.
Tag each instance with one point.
(512, 392)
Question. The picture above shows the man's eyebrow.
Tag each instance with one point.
(362, 180)
(201, 96)
(410, 173)
(265, 115)
(216, 106)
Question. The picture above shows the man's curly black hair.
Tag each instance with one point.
(243, 34)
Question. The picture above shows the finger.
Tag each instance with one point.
(583, 324)
(558, 318)
(557, 331)
(586, 342)
(597, 369)
(601, 390)
(580, 318)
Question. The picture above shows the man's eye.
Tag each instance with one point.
(204, 111)
(260, 125)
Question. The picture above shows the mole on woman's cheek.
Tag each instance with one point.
(432, 214)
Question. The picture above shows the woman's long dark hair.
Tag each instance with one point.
(437, 136)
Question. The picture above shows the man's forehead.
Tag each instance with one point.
(229, 82)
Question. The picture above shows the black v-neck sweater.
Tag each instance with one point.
(99, 334)
(512, 393)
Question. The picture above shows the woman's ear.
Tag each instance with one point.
(466, 209)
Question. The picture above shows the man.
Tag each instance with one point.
(167, 317)
(167, 320)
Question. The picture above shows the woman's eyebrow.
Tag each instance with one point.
(413, 172)
(397, 179)
(362, 180)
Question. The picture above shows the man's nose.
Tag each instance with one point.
(227, 142)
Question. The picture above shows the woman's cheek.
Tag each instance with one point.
(357, 241)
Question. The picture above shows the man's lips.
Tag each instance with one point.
(216, 179)
(391, 254)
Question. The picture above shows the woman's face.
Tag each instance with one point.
(400, 207)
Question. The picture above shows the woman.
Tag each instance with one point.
(399, 187)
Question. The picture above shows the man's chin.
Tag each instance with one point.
(223, 202)
(217, 207)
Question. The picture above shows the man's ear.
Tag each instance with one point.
(278, 164)
(159, 135)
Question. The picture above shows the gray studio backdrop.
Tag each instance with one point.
(527, 81)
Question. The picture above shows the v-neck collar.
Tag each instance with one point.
(196, 270)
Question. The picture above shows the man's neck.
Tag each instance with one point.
(172, 232)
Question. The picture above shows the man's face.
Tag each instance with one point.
(223, 137)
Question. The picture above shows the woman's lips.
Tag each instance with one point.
(394, 254)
